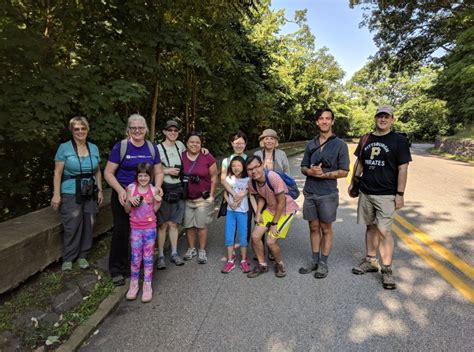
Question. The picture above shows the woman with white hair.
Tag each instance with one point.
(273, 158)
(120, 172)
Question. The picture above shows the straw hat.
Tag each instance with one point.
(268, 133)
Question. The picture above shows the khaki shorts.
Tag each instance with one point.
(198, 213)
(376, 210)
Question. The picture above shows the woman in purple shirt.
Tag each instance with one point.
(120, 172)
(199, 182)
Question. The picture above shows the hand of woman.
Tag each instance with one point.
(157, 198)
(122, 197)
(55, 202)
(135, 201)
(100, 197)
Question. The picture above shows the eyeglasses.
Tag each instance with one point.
(238, 144)
(173, 130)
(140, 128)
(249, 170)
(79, 129)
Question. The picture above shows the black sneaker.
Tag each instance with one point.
(321, 271)
(118, 280)
(308, 269)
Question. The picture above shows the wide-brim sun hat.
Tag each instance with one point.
(268, 133)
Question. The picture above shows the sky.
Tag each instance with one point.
(336, 26)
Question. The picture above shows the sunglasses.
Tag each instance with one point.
(140, 128)
(173, 130)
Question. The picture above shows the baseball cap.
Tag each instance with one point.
(171, 123)
(387, 109)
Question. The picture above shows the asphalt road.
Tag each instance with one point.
(196, 308)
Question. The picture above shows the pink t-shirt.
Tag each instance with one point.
(143, 217)
(201, 169)
(279, 187)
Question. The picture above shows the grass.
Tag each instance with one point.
(438, 152)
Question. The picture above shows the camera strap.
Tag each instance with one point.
(312, 151)
(74, 145)
(166, 154)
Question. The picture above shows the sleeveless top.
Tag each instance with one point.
(142, 217)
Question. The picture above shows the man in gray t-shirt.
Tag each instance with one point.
(326, 158)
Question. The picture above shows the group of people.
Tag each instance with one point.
(172, 183)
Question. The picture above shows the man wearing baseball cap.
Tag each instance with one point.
(382, 164)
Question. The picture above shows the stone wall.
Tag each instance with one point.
(464, 147)
(31, 242)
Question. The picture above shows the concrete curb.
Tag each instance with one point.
(83, 331)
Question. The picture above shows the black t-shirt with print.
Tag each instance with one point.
(381, 157)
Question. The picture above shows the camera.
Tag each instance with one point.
(205, 194)
(325, 163)
(140, 200)
(180, 167)
(87, 187)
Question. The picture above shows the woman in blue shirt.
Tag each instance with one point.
(77, 192)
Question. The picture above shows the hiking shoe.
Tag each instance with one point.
(161, 263)
(321, 271)
(244, 266)
(147, 294)
(388, 281)
(366, 266)
(67, 266)
(228, 267)
(190, 254)
(83, 263)
(280, 270)
(176, 260)
(118, 280)
(308, 269)
(202, 258)
(259, 269)
(132, 290)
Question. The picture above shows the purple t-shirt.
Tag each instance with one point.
(201, 169)
(126, 171)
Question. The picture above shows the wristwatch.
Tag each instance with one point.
(400, 194)
(273, 223)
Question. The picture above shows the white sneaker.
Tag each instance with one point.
(202, 258)
(190, 254)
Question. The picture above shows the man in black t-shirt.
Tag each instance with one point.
(383, 158)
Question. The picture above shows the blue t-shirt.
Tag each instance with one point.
(126, 171)
(73, 164)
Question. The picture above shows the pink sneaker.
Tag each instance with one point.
(228, 267)
(132, 290)
(244, 266)
(147, 294)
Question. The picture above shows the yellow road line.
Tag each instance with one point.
(452, 278)
(436, 247)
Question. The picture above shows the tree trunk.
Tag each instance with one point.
(193, 101)
(154, 109)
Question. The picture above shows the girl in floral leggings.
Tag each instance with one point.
(142, 204)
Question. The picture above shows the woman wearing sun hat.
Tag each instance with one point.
(273, 158)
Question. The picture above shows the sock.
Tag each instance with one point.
(230, 260)
(324, 258)
(263, 264)
(174, 251)
(315, 257)
(371, 258)
(161, 253)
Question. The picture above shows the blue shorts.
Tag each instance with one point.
(236, 220)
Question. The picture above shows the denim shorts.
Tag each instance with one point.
(322, 208)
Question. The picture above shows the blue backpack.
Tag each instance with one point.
(290, 183)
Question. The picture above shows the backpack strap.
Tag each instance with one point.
(124, 147)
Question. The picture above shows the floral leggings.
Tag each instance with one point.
(143, 245)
